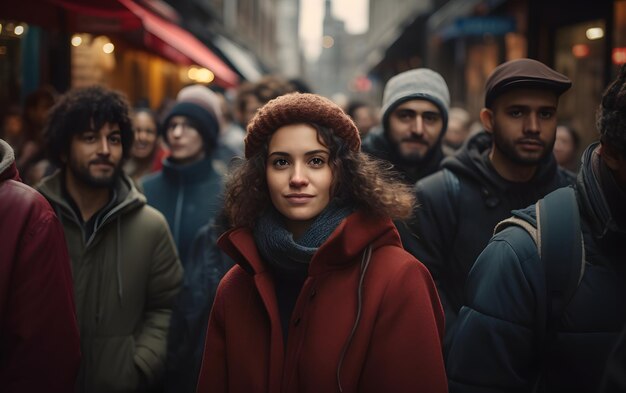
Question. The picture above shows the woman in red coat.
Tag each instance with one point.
(323, 297)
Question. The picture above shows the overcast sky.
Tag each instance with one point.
(353, 12)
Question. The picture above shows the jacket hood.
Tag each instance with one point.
(128, 197)
(8, 171)
(377, 144)
(348, 240)
(591, 191)
(472, 161)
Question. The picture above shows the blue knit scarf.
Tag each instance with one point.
(277, 245)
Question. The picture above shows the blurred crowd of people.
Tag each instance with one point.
(270, 240)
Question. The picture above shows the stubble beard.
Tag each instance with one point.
(508, 150)
(82, 175)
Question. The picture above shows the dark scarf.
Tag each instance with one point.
(277, 245)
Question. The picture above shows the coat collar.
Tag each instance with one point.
(347, 241)
(191, 173)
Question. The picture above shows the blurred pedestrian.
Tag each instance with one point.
(187, 191)
(323, 297)
(509, 166)
(31, 153)
(232, 133)
(414, 121)
(252, 96)
(12, 130)
(124, 263)
(458, 130)
(507, 339)
(363, 116)
(38, 329)
(566, 148)
(146, 154)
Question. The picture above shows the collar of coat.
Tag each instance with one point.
(344, 245)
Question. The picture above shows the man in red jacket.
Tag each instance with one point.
(39, 343)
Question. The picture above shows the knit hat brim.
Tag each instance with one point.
(297, 108)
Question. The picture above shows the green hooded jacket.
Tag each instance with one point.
(126, 276)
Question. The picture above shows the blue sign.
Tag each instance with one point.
(479, 26)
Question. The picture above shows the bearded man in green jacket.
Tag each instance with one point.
(125, 267)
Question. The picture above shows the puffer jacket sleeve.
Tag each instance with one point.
(432, 232)
(495, 345)
(405, 350)
(164, 283)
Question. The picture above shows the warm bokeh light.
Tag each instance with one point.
(594, 33)
(76, 40)
(19, 30)
(580, 50)
(200, 75)
(108, 48)
(328, 42)
(619, 56)
(205, 76)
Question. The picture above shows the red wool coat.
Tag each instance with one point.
(396, 346)
(39, 342)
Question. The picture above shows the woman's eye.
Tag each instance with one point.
(280, 162)
(316, 161)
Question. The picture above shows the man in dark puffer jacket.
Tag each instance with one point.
(498, 345)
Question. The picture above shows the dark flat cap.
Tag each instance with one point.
(524, 73)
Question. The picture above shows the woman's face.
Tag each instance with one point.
(298, 175)
(145, 135)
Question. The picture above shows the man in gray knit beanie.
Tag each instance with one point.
(414, 119)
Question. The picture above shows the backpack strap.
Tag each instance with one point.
(561, 249)
(559, 244)
(518, 222)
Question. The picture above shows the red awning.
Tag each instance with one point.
(84, 16)
(179, 45)
(122, 17)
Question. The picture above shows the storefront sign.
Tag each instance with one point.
(479, 26)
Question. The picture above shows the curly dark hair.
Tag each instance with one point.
(82, 110)
(358, 179)
(611, 116)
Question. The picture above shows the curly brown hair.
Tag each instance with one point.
(358, 180)
(82, 109)
(611, 116)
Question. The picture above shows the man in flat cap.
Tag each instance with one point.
(507, 166)
(543, 312)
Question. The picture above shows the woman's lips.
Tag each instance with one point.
(299, 198)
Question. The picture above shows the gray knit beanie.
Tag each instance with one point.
(420, 83)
